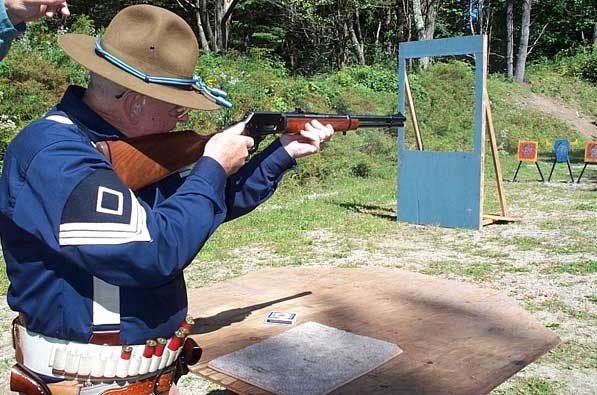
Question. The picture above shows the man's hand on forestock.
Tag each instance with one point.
(29, 10)
(230, 148)
(308, 141)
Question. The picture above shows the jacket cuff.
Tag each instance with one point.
(210, 170)
(277, 159)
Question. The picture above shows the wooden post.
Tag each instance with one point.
(413, 114)
(496, 157)
(494, 149)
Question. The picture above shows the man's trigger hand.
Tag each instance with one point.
(230, 148)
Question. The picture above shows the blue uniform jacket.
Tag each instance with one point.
(72, 232)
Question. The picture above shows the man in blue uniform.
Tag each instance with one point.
(96, 271)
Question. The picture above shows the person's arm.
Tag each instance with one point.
(14, 14)
(69, 198)
(255, 182)
(20, 11)
(8, 31)
(252, 185)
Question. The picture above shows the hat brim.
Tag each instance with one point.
(81, 48)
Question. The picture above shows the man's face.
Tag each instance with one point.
(151, 116)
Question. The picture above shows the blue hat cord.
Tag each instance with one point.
(217, 95)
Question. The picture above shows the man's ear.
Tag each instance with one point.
(132, 107)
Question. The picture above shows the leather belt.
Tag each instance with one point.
(70, 360)
(26, 382)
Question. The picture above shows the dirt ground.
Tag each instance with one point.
(553, 107)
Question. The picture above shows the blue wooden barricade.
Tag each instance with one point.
(443, 188)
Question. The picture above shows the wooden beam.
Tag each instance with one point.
(413, 114)
(494, 148)
(496, 158)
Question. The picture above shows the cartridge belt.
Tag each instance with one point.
(25, 381)
(85, 362)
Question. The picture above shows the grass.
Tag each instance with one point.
(532, 386)
(349, 222)
(528, 243)
(284, 219)
(573, 354)
(569, 248)
(558, 306)
(255, 81)
(579, 268)
(3, 277)
(481, 271)
(330, 219)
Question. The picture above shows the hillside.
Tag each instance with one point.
(36, 72)
(555, 107)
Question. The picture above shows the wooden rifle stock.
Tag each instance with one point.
(141, 161)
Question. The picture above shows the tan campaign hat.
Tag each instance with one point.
(151, 42)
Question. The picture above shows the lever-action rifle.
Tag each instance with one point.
(141, 161)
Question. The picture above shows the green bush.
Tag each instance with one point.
(582, 64)
(7, 131)
(361, 169)
(36, 73)
(376, 78)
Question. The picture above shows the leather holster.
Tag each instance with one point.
(191, 353)
(27, 382)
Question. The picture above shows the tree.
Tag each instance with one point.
(510, 38)
(197, 8)
(475, 12)
(521, 58)
(356, 37)
(425, 14)
(316, 35)
(213, 27)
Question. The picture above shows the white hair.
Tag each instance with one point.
(103, 87)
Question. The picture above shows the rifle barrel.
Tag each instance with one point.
(372, 121)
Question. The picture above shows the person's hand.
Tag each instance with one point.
(28, 10)
(230, 148)
(308, 141)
